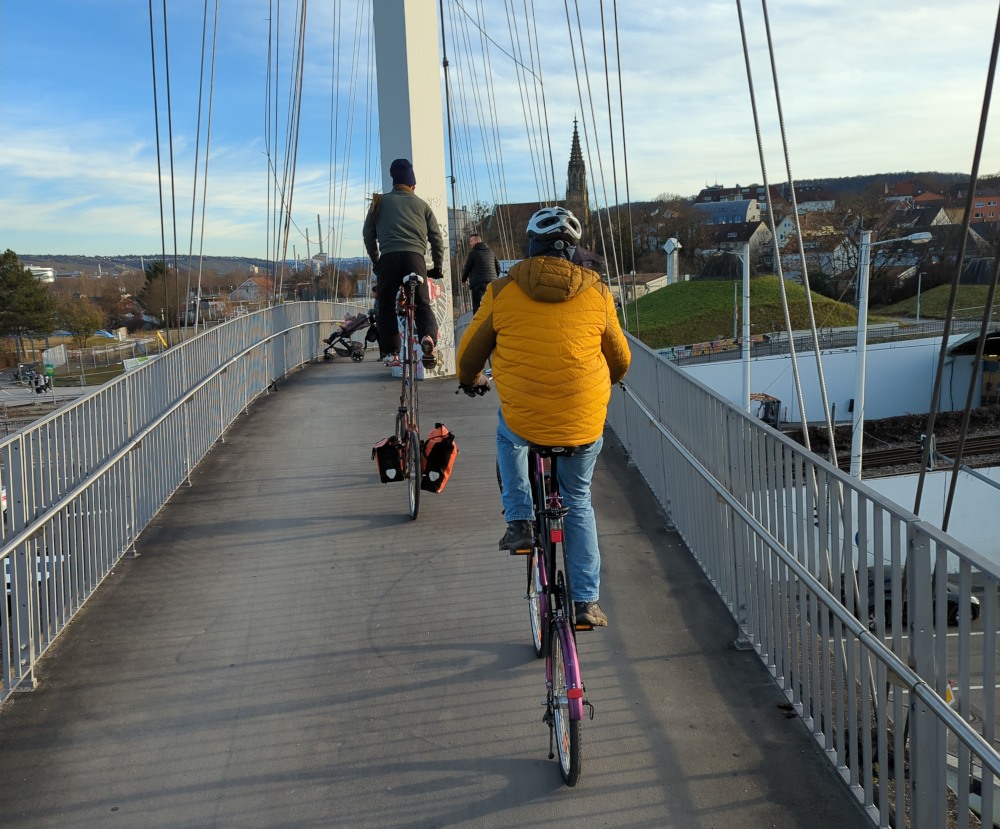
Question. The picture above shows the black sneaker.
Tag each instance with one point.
(427, 346)
(590, 613)
(519, 536)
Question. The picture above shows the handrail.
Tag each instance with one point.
(85, 480)
(785, 538)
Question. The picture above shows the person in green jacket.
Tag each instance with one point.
(555, 344)
(396, 232)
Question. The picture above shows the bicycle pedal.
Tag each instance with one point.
(524, 551)
(582, 626)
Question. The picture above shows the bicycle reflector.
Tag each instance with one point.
(556, 535)
(574, 693)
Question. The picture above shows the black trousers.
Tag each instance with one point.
(478, 291)
(391, 269)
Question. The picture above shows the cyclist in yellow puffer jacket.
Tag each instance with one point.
(552, 331)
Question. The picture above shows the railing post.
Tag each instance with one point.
(928, 762)
(734, 473)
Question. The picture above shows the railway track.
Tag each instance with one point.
(908, 455)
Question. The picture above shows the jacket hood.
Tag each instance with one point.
(548, 279)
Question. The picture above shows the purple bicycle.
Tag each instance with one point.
(550, 612)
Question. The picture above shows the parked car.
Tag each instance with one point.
(954, 602)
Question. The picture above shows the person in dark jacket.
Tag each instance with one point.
(397, 230)
(481, 268)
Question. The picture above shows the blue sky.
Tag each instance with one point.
(865, 87)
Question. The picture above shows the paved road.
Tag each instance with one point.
(290, 650)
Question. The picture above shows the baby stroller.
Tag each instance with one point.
(340, 341)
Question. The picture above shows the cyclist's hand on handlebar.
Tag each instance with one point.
(435, 273)
(476, 389)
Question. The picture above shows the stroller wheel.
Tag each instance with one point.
(327, 358)
(357, 356)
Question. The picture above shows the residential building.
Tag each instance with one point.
(728, 212)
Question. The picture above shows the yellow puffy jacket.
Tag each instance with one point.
(556, 347)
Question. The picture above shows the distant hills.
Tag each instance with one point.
(91, 265)
(858, 184)
(66, 264)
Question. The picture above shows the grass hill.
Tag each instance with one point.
(969, 303)
(700, 311)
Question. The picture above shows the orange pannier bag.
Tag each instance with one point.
(437, 454)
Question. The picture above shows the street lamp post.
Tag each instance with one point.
(745, 347)
(864, 268)
(920, 279)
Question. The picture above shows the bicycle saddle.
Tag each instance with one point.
(413, 277)
(554, 451)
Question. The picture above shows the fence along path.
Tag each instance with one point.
(290, 649)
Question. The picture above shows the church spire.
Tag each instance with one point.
(576, 183)
(575, 153)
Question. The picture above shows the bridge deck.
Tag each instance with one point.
(289, 649)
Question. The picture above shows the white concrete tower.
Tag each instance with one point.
(411, 123)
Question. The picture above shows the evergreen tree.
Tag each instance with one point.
(25, 304)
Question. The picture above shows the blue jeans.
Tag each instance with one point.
(583, 556)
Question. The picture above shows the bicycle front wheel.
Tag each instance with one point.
(536, 602)
(413, 472)
(568, 731)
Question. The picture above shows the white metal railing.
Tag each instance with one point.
(83, 482)
(900, 699)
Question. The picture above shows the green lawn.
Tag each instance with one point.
(969, 302)
(701, 311)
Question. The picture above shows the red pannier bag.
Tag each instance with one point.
(388, 457)
(438, 453)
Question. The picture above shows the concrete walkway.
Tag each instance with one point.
(291, 650)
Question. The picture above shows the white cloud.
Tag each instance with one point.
(865, 88)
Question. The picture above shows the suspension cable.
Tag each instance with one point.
(170, 144)
(959, 262)
(628, 196)
(208, 147)
(828, 418)
(197, 156)
(774, 238)
(583, 54)
(159, 169)
(987, 316)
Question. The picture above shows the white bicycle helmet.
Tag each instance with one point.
(553, 223)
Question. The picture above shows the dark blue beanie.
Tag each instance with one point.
(402, 172)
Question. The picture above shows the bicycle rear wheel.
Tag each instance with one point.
(413, 471)
(537, 607)
(568, 731)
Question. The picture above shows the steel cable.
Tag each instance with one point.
(959, 262)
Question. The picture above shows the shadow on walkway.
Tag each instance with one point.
(291, 650)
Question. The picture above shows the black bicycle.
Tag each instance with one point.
(408, 415)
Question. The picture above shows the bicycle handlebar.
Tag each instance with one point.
(475, 389)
